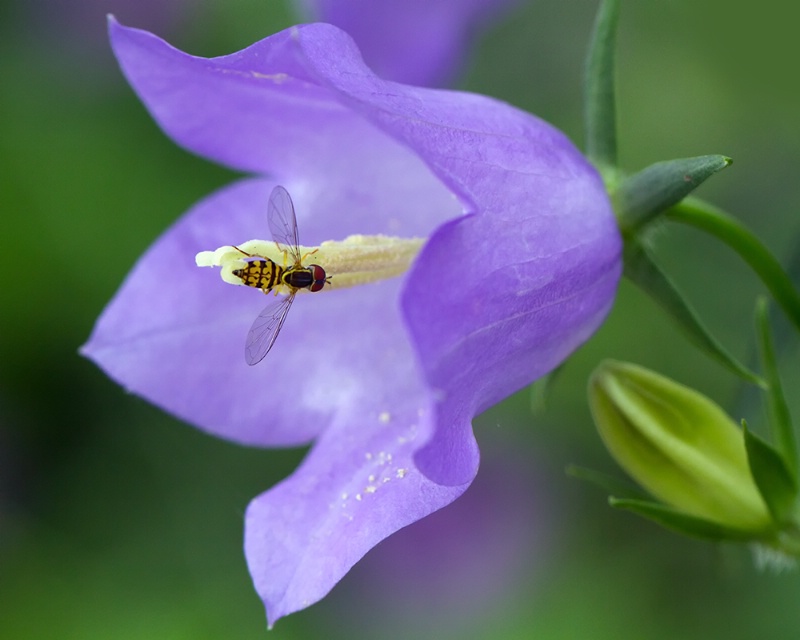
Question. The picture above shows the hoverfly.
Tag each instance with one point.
(265, 274)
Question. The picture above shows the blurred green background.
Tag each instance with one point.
(117, 521)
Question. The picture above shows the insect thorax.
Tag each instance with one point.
(298, 277)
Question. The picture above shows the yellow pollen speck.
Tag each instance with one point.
(371, 489)
(384, 417)
(371, 478)
(401, 473)
(368, 455)
(358, 497)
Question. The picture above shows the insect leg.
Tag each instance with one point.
(249, 255)
(310, 253)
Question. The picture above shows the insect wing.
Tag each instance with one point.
(265, 329)
(283, 223)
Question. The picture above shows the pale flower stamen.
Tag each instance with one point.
(356, 260)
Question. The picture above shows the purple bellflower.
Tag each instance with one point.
(520, 267)
(421, 42)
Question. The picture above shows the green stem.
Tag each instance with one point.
(600, 118)
(706, 217)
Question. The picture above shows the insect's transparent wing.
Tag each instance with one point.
(265, 329)
(283, 223)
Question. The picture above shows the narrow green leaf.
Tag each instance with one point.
(775, 484)
(704, 216)
(644, 273)
(649, 192)
(600, 119)
(607, 482)
(780, 420)
(679, 521)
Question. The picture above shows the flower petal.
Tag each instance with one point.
(358, 485)
(466, 563)
(258, 110)
(194, 99)
(418, 42)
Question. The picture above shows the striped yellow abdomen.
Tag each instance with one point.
(260, 274)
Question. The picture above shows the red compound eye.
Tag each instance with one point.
(318, 275)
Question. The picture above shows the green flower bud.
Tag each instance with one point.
(678, 445)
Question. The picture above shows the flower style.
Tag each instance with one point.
(520, 267)
(421, 42)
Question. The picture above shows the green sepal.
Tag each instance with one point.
(642, 196)
(600, 119)
(775, 484)
(719, 224)
(679, 521)
(607, 482)
(779, 418)
(645, 274)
